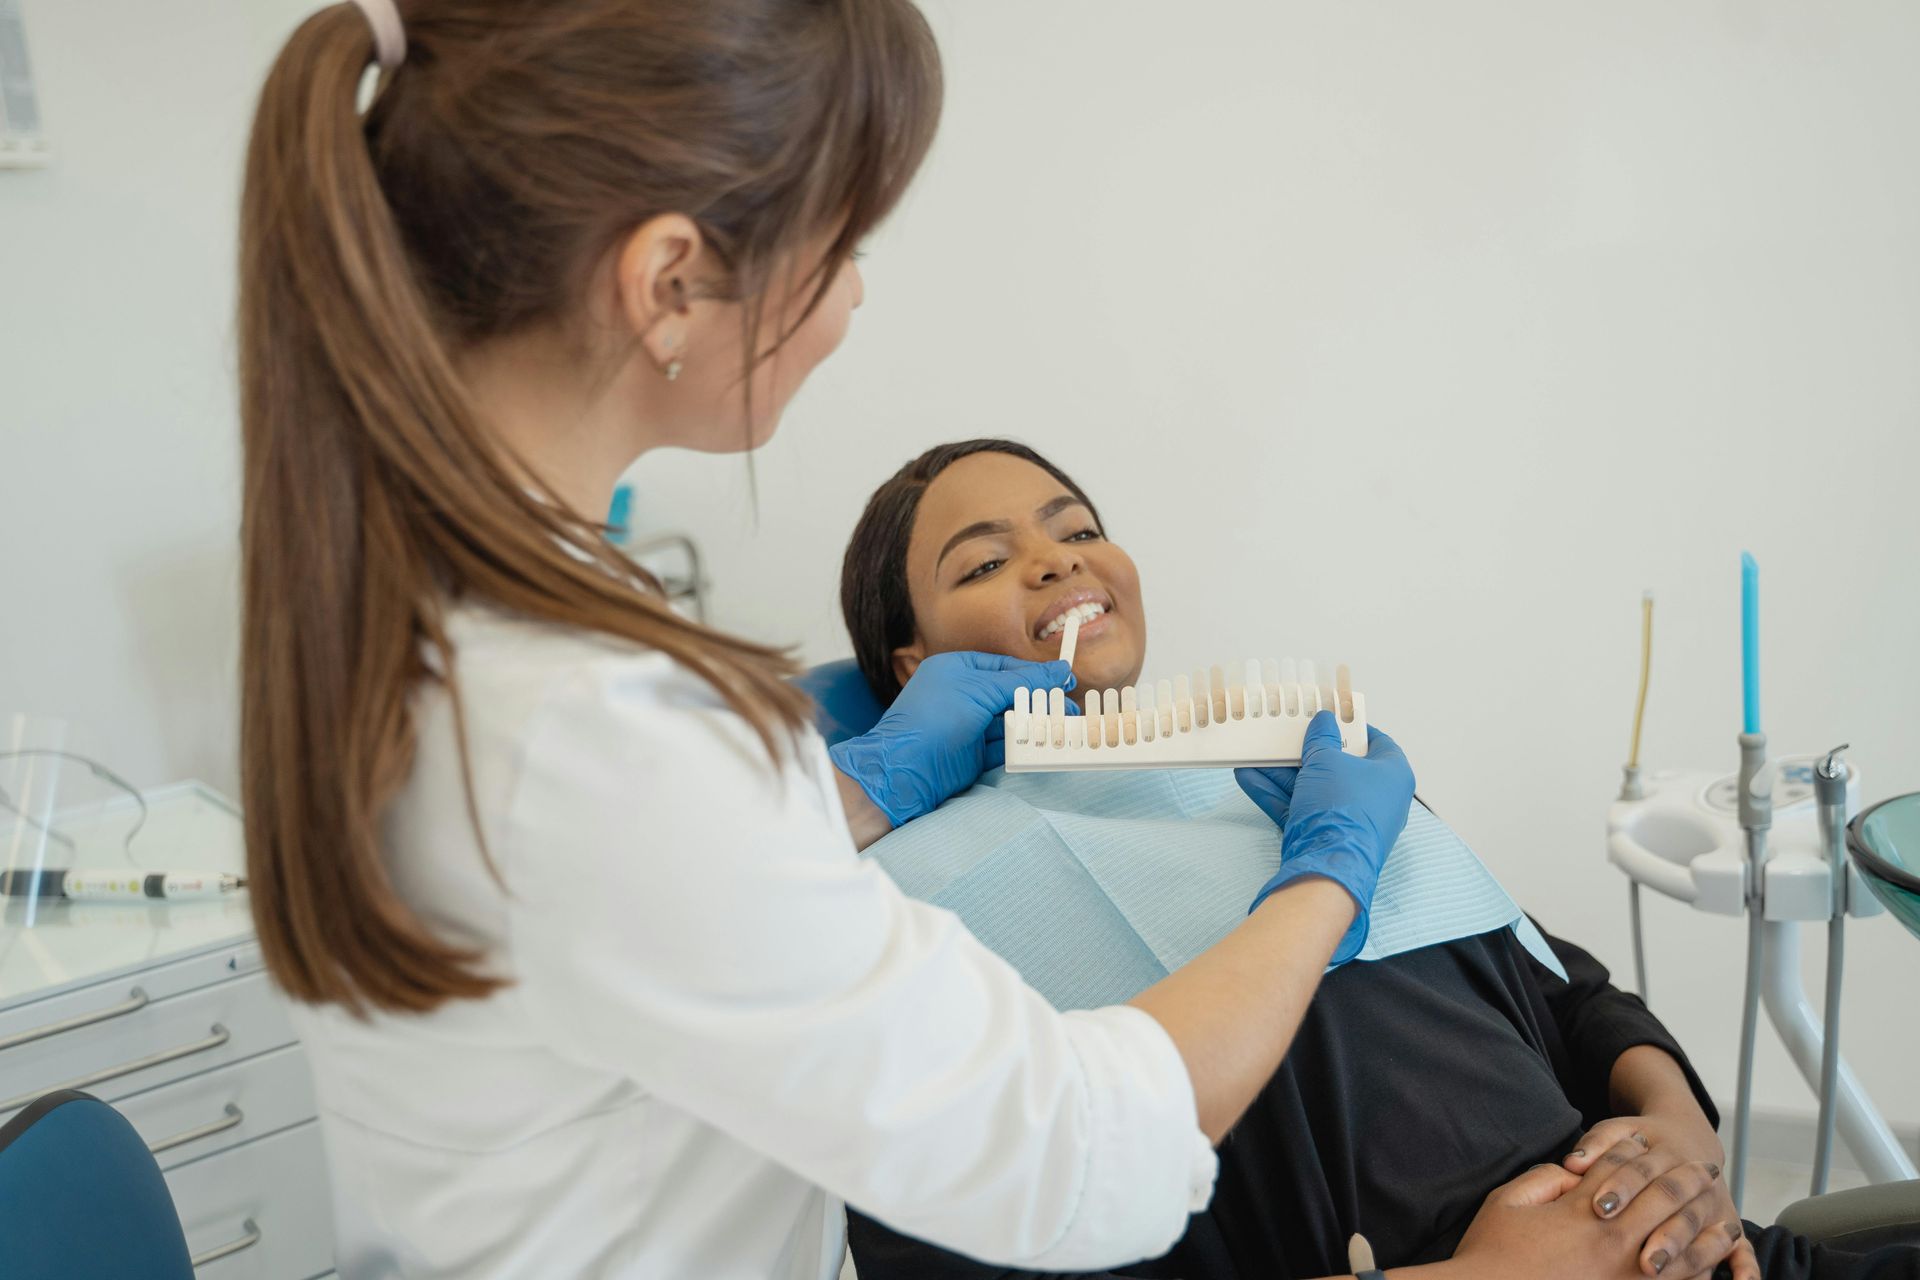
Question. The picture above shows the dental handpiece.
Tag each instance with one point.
(119, 886)
(1830, 797)
(1756, 819)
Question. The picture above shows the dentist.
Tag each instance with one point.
(564, 887)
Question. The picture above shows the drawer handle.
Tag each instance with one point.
(229, 1118)
(136, 999)
(219, 1037)
(246, 1241)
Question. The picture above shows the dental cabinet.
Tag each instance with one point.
(165, 1010)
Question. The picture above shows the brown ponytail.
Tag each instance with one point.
(515, 147)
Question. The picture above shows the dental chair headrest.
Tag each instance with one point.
(847, 708)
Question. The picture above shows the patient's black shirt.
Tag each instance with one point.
(1415, 1085)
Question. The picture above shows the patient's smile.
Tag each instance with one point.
(1086, 610)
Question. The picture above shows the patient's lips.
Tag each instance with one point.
(1090, 605)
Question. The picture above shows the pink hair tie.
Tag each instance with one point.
(389, 36)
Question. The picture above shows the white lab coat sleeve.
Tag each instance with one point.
(684, 914)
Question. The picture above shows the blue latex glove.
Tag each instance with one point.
(1339, 816)
(943, 731)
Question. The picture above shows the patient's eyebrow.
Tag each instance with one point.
(982, 528)
(978, 529)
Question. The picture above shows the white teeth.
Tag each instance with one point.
(1086, 612)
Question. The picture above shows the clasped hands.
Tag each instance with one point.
(1640, 1196)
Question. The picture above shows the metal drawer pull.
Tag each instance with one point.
(229, 1118)
(219, 1037)
(246, 1241)
(136, 999)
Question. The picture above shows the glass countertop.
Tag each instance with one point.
(48, 944)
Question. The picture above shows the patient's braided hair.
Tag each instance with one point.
(873, 577)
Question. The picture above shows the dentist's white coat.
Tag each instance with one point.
(721, 1024)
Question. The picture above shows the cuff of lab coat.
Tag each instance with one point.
(1149, 1166)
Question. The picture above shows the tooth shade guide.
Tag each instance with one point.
(1150, 726)
(1070, 636)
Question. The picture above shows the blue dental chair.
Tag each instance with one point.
(80, 1195)
(846, 707)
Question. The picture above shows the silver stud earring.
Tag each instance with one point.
(673, 370)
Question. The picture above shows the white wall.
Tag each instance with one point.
(1424, 338)
(119, 445)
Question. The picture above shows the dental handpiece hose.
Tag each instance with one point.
(1830, 794)
(1756, 819)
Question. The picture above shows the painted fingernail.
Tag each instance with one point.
(1577, 1153)
(1713, 1170)
(1640, 1138)
(1659, 1261)
(1608, 1203)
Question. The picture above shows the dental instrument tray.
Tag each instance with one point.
(1229, 716)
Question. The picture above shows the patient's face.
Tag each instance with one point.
(1000, 549)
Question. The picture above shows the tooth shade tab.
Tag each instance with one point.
(1236, 690)
(1256, 701)
(1240, 714)
(1071, 638)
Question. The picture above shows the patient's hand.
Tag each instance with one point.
(1625, 1156)
(1541, 1226)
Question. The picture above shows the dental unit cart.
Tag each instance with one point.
(162, 1008)
(1767, 842)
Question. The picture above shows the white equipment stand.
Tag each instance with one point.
(1683, 838)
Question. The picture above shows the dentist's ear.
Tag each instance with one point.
(907, 660)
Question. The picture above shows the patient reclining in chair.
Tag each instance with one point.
(1462, 1046)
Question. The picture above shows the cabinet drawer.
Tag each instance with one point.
(210, 1112)
(107, 999)
(269, 1197)
(162, 1040)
